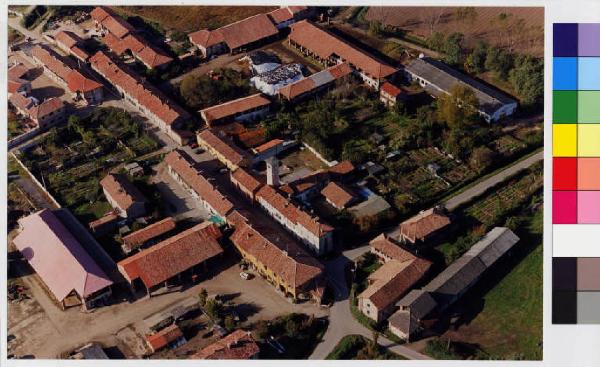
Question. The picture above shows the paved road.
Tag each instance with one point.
(467, 195)
(341, 321)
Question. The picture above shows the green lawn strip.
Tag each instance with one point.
(359, 347)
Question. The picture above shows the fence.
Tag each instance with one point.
(23, 137)
(314, 151)
(35, 180)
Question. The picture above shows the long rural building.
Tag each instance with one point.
(72, 44)
(224, 150)
(438, 78)
(421, 227)
(329, 50)
(448, 286)
(282, 261)
(62, 262)
(243, 109)
(238, 345)
(182, 168)
(173, 260)
(152, 103)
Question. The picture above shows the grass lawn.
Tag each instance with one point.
(359, 347)
(510, 324)
(14, 126)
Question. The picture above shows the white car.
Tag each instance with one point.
(245, 275)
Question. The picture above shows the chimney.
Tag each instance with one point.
(272, 171)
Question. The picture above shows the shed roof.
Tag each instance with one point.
(58, 257)
(238, 345)
(233, 107)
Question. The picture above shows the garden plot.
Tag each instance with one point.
(71, 160)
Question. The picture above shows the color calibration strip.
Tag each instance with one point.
(576, 174)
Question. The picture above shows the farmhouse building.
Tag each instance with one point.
(314, 83)
(172, 260)
(421, 227)
(181, 167)
(452, 283)
(80, 86)
(123, 196)
(399, 273)
(45, 114)
(245, 182)
(316, 235)
(68, 271)
(243, 109)
(338, 196)
(121, 38)
(390, 94)
(329, 50)
(438, 78)
(281, 260)
(235, 37)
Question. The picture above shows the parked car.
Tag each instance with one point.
(245, 275)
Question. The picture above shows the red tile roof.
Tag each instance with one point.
(206, 38)
(337, 195)
(249, 30)
(391, 89)
(279, 253)
(100, 13)
(45, 108)
(79, 52)
(67, 38)
(20, 102)
(139, 237)
(151, 56)
(123, 192)
(397, 282)
(117, 25)
(17, 71)
(233, 107)
(147, 95)
(59, 259)
(181, 163)
(383, 245)
(76, 82)
(173, 255)
(281, 15)
(106, 218)
(246, 180)
(342, 168)
(231, 153)
(325, 45)
(423, 224)
(15, 84)
(313, 82)
(268, 145)
(163, 337)
(292, 212)
(237, 345)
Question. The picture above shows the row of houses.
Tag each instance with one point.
(246, 33)
(71, 44)
(123, 196)
(122, 38)
(152, 103)
(45, 115)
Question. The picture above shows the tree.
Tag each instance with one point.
(459, 108)
(262, 329)
(213, 308)
(202, 297)
(481, 158)
(527, 77)
(375, 28)
(499, 61)
(291, 328)
(229, 322)
(475, 62)
(453, 48)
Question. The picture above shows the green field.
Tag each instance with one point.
(510, 324)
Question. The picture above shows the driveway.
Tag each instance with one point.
(468, 195)
(341, 321)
